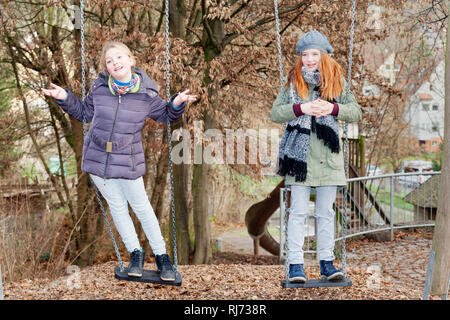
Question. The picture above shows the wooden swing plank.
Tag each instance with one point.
(148, 276)
(317, 283)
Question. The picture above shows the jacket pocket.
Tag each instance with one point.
(335, 160)
(133, 159)
(86, 146)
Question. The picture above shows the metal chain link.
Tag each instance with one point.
(167, 56)
(285, 189)
(169, 140)
(346, 166)
(287, 211)
(280, 54)
(83, 89)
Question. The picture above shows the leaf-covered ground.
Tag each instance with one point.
(378, 270)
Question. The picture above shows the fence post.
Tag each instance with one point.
(391, 208)
(362, 154)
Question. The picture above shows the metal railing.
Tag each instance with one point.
(376, 204)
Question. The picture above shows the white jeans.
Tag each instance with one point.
(324, 214)
(118, 193)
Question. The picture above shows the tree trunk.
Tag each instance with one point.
(203, 251)
(177, 18)
(177, 26)
(441, 239)
(213, 35)
(181, 187)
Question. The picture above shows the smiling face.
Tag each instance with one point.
(311, 59)
(118, 64)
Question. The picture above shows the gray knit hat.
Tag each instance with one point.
(314, 40)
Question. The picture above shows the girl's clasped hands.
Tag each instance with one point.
(318, 108)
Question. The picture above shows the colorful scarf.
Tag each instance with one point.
(119, 88)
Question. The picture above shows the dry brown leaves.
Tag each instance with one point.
(252, 278)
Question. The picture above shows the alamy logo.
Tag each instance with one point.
(231, 146)
(374, 280)
(73, 280)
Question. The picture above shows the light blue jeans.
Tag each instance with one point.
(325, 222)
(118, 193)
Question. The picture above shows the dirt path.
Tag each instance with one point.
(239, 241)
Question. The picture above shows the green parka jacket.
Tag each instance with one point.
(324, 167)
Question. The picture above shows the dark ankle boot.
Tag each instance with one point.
(137, 259)
(165, 267)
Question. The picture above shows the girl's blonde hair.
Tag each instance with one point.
(114, 44)
(330, 78)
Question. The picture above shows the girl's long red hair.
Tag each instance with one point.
(330, 78)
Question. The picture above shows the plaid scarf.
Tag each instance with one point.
(294, 146)
(118, 89)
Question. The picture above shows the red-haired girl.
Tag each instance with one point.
(310, 155)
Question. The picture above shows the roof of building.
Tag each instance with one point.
(427, 194)
(425, 96)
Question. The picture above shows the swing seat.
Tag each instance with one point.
(148, 276)
(317, 283)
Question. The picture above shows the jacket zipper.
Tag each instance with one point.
(110, 137)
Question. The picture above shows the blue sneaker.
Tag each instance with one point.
(329, 272)
(297, 273)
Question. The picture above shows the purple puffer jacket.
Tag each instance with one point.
(113, 147)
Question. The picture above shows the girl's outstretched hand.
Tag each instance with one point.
(184, 97)
(57, 92)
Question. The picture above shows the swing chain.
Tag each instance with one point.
(287, 211)
(169, 140)
(280, 54)
(346, 160)
(83, 81)
(286, 187)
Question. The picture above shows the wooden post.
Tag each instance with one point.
(441, 238)
(362, 150)
(256, 246)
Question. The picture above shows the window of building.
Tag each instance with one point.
(435, 107)
(426, 107)
(368, 91)
(435, 126)
(434, 143)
